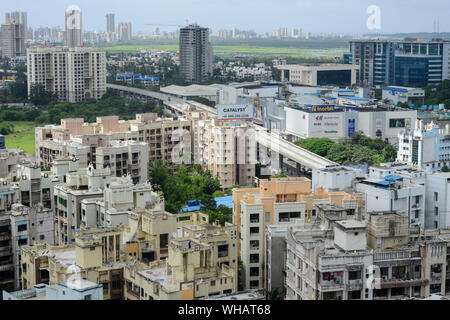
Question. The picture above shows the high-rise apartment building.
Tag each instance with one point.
(74, 34)
(225, 148)
(73, 74)
(277, 202)
(19, 17)
(12, 39)
(196, 57)
(110, 23)
(125, 31)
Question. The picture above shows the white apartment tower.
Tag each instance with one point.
(125, 32)
(196, 54)
(74, 74)
(74, 34)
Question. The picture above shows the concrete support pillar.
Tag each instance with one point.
(299, 169)
(280, 156)
(257, 151)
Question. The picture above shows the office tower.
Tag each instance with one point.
(125, 32)
(375, 59)
(20, 17)
(74, 36)
(410, 62)
(110, 23)
(196, 63)
(12, 39)
(74, 74)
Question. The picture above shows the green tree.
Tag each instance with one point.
(319, 146)
(40, 96)
(19, 90)
(275, 294)
(279, 175)
(221, 214)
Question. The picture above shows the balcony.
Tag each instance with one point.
(133, 293)
(402, 283)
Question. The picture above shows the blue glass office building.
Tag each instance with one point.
(411, 62)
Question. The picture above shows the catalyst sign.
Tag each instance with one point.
(234, 111)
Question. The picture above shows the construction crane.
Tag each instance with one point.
(166, 25)
(162, 25)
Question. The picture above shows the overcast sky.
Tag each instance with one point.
(317, 16)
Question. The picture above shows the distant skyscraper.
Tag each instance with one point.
(125, 32)
(20, 17)
(196, 54)
(12, 39)
(74, 36)
(110, 23)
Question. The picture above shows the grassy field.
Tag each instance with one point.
(23, 136)
(231, 50)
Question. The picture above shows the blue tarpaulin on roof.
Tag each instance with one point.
(195, 205)
(393, 177)
(226, 201)
(384, 182)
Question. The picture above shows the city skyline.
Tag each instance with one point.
(348, 17)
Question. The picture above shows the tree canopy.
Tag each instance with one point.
(356, 149)
(196, 184)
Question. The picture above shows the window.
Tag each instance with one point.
(88, 297)
(254, 284)
(354, 275)
(22, 227)
(41, 237)
(254, 272)
(396, 123)
(254, 230)
(435, 196)
(254, 244)
(223, 250)
(354, 294)
(254, 258)
(254, 218)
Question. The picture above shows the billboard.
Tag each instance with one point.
(257, 110)
(324, 108)
(351, 127)
(235, 112)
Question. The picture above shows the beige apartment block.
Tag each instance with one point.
(226, 149)
(76, 138)
(73, 74)
(72, 210)
(277, 201)
(193, 258)
(196, 266)
(95, 256)
(333, 261)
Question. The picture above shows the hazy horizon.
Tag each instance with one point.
(315, 16)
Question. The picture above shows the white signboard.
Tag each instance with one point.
(234, 111)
